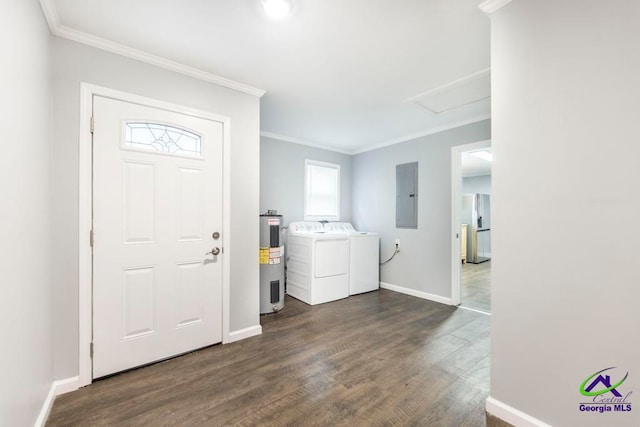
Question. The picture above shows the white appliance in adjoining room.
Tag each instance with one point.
(364, 257)
(317, 263)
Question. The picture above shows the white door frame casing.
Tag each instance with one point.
(85, 196)
(456, 201)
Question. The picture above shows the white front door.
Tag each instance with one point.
(157, 202)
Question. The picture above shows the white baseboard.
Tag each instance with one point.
(414, 293)
(512, 415)
(66, 385)
(244, 333)
(57, 388)
(46, 406)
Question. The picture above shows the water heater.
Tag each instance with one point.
(271, 264)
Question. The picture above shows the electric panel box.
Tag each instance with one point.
(407, 195)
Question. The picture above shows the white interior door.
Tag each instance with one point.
(157, 202)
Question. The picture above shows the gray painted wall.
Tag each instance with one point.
(424, 261)
(25, 192)
(565, 112)
(477, 184)
(74, 63)
(282, 177)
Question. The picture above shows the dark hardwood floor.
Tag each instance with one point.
(475, 289)
(376, 359)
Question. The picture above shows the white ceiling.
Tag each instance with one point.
(337, 73)
(474, 166)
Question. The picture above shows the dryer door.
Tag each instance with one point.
(331, 257)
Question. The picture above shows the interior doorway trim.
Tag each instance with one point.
(456, 197)
(85, 200)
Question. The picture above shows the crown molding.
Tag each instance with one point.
(490, 6)
(400, 140)
(51, 15)
(428, 132)
(299, 141)
(120, 49)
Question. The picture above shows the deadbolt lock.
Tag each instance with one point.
(215, 235)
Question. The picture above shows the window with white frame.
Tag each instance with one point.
(321, 191)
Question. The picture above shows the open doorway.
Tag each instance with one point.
(471, 222)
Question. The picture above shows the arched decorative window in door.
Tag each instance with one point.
(162, 138)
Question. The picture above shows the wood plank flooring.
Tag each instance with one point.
(376, 359)
(475, 286)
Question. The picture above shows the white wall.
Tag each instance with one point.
(282, 177)
(424, 262)
(74, 63)
(25, 252)
(477, 184)
(565, 112)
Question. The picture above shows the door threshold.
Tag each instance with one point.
(476, 310)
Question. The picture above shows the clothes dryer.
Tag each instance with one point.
(317, 263)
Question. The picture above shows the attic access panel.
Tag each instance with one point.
(457, 94)
(407, 195)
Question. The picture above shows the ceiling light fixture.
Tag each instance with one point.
(482, 154)
(277, 9)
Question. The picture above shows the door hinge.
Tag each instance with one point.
(91, 349)
(91, 125)
(91, 238)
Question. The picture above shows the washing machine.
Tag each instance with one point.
(364, 257)
(317, 263)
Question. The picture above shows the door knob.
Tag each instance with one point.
(214, 252)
